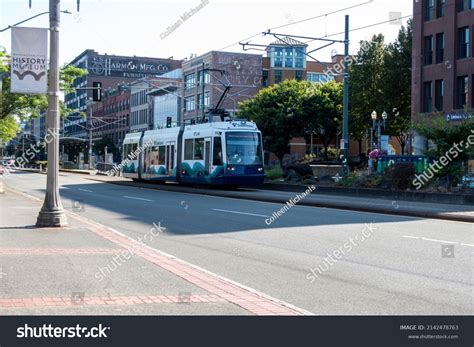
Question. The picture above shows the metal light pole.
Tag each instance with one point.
(379, 124)
(345, 113)
(52, 213)
(90, 135)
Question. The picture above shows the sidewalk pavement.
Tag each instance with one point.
(453, 212)
(90, 269)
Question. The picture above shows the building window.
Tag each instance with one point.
(288, 57)
(462, 91)
(190, 103)
(207, 77)
(278, 58)
(190, 81)
(200, 101)
(463, 43)
(464, 5)
(318, 77)
(299, 75)
(472, 89)
(439, 95)
(265, 78)
(440, 8)
(205, 100)
(439, 48)
(428, 50)
(429, 10)
(427, 97)
(278, 76)
(299, 57)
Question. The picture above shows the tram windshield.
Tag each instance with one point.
(244, 148)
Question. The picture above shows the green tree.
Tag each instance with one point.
(366, 86)
(447, 137)
(397, 85)
(25, 106)
(9, 127)
(277, 111)
(322, 111)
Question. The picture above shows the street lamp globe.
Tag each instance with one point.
(374, 115)
(384, 115)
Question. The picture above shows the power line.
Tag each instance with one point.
(300, 21)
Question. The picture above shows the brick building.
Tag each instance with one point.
(203, 85)
(111, 118)
(110, 70)
(443, 63)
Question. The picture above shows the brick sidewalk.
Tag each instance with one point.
(47, 261)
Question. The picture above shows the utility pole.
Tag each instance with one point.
(345, 114)
(203, 87)
(90, 135)
(52, 213)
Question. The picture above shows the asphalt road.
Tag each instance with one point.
(379, 264)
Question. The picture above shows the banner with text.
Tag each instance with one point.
(29, 67)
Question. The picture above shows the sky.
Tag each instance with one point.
(152, 28)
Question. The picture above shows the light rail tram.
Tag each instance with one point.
(226, 153)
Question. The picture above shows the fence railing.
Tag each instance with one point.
(420, 162)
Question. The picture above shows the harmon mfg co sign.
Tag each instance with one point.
(126, 67)
(29, 66)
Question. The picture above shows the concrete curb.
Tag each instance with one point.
(458, 217)
(441, 198)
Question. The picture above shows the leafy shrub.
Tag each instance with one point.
(332, 152)
(274, 173)
(303, 170)
(348, 181)
(399, 175)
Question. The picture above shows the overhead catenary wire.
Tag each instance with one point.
(300, 21)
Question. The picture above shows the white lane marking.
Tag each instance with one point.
(435, 240)
(467, 244)
(244, 213)
(84, 190)
(440, 241)
(134, 198)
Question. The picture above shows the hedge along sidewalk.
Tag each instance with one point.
(460, 213)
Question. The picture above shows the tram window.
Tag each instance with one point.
(161, 155)
(217, 154)
(188, 149)
(129, 150)
(154, 155)
(198, 148)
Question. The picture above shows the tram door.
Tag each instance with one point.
(207, 156)
(170, 156)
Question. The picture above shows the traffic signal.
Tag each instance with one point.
(168, 122)
(96, 91)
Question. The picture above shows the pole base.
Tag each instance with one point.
(51, 219)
